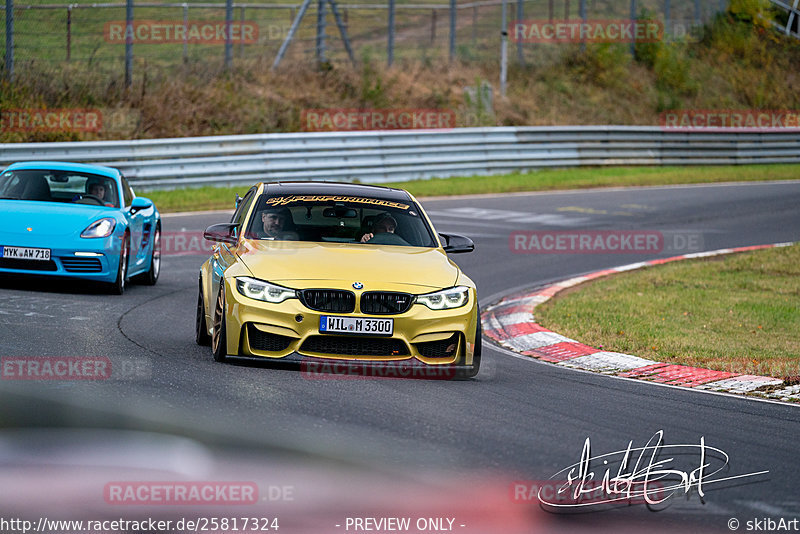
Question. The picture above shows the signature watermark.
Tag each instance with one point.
(640, 473)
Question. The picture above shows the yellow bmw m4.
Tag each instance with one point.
(342, 278)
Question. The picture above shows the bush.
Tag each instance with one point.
(603, 64)
(756, 12)
(644, 52)
(672, 69)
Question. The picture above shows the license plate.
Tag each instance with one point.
(22, 253)
(356, 325)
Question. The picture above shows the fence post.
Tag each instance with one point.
(550, 10)
(503, 50)
(185, 32)
(290, 35)
(452, 29)
(667, 16)
(241, 33)
(390, 44)
(520, 16)
(321, 31)
(228, 41)
(697, 15)
(433, 25)
(128, 43)
(10, 40)
(69, 32)
(342, 31)
(633, 18)
(566, 9)
(582, 14)
(474, 25)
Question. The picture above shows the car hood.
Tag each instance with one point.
(47, 218)
(303, 265)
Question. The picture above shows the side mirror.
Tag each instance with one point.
(222, 233)
(141, 203)
(454, 243)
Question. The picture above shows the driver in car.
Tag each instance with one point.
(98, 189)
(274, 223)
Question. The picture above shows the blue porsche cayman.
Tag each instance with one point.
(77, 221)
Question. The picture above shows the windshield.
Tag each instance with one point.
(59, 186)
(339, 219)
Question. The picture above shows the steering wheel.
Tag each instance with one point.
(81, 196)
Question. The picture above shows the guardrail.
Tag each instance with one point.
(383, 156)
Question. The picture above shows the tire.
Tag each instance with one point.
(473, 369)
(219, 344)
(117, 287)
(151, 277)
(201, 337)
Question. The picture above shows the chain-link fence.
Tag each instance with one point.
(168, 35)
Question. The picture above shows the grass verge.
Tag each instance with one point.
(205, 198)
(737, 313)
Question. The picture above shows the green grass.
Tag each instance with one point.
(205, 198)
(737, 313)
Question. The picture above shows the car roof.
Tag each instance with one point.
(65, 166)
(335, 188)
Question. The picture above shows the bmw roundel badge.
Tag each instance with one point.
(357, 285)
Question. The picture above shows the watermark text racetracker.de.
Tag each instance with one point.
(74, 368)
(604, 242)
(239, 523)
(50, 120)
(192, 243)
(178, 31)
(175, 493)
(311, 369)
(591, 30)
(347, 119)
(730, 119)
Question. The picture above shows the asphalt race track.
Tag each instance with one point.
(358, 447)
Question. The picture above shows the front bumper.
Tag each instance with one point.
(92, 259)
(289, 331)
(312, 368)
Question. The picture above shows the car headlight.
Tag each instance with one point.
(100, 228)
(261, 290)
(455, 297)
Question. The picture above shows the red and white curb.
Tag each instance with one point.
(511, 323)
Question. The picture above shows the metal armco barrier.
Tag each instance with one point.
(401, 155)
